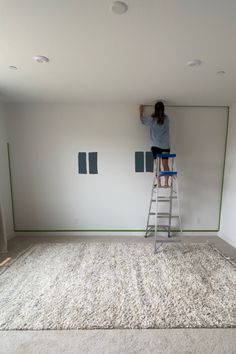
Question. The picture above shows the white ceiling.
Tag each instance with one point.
(97, 56)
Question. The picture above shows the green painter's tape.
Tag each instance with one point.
(223, 175)
(11, 189)
(107, 230)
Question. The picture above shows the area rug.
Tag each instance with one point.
(118, 285)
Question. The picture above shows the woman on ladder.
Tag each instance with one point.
(159, 133)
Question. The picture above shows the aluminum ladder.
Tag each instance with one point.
(171, 194)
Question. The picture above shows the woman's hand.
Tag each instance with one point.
(141, 108)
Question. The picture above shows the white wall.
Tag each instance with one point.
(227, 226)
(49, 194)
(5, 195)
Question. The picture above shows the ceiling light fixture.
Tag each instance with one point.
(194, 62)
(40, 59)
(12, 67)
(119, 7)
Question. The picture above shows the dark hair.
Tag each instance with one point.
(159, 113)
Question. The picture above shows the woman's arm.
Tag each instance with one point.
(141, 107)
(144, 120)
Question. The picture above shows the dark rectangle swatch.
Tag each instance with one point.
(82, 162)
(93, 168)
(149, 161)
(139, 161)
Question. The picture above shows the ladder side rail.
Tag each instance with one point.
(158, 161)
(178, 206)
(178, 203)
(150, 206)
(171, 195)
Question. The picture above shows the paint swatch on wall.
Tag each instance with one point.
(93, 169)
(139, 161)
(142, 165)
(87, 160)
(149, 161)
(82, 162)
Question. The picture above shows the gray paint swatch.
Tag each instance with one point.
(149, 161)
(93, 162)
(139, 161)
(82, 162)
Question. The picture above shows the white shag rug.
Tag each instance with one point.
(117, 285)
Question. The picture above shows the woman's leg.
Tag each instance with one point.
(157, 179)
(166, 168)
(154, 150)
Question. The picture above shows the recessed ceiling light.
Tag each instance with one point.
(119, 7)
(194, 62)
(40, 59)
(221, 72)
(12, 67)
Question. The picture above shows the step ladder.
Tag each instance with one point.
(161, 221)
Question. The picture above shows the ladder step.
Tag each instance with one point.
(164, 199)
(167, 173)
(153, 226)
(154, 190)
(166, 155)
(162, 187)
(164, 215)
(167, 216)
